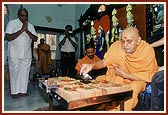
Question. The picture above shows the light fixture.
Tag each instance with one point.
(102, 8)
(49, 19)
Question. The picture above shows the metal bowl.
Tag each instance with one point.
(86, 77)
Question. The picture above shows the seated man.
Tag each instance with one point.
(129, 61)
(89, 59)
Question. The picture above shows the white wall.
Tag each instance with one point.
(61, 14)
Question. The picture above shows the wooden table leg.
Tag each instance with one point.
(122, 105)
(50, 103)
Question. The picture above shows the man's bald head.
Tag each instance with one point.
(130, 31)
(130, 39)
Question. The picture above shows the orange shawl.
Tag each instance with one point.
(141, 63)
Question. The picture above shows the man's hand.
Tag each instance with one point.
(25, 25)
(85, 68)
(67, 34)
(118, 70)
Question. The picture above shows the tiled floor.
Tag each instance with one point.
(36, 99)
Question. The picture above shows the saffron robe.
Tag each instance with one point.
(142, 64)
(44, 58)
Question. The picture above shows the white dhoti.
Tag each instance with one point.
(19, 74)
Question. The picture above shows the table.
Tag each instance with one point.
(77, 104)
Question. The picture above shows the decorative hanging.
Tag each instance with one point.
(93, 30)
(107, 39)
(102, 37)
(90, 38)
(115, 29)
(100, 43)
(129, 16)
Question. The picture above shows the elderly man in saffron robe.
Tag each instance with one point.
(129, 61)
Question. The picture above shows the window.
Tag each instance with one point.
(50, 38)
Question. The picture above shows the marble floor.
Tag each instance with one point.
(35, 100)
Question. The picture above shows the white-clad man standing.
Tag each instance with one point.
(20, 33)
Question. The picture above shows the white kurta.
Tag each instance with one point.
(67, 47)
(20, 56)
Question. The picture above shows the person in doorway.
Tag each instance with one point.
(68, 47)
(129, 61)
(44, 57)
(20, 33)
